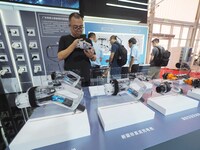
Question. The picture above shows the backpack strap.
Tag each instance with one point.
(118, 49)
(159, 51)
(118, 44)
(159, 56)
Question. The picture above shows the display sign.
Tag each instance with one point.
(74, 4)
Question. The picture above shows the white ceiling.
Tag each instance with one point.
(182, 10)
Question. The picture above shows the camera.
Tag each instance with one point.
(196, 83)
(84, 45)
(169, 76)
(163, 87)
(193, 82)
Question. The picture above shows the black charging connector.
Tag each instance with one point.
(19, 57)
(3, 57)
(34, 57)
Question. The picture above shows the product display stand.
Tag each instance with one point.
(171, 104)
(43, 131)
(121, 115)
(194, 93)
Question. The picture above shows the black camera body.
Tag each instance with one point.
(196, 83)
(164, 87)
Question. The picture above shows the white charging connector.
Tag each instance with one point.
(21, 70)
(16, 45)
(33, 45)
(3, 72)
(37, 69)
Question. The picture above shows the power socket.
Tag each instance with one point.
(37, 68)
(35, 57)
(20, 57)
(3, 58)
(14, 32)
(2, 45)
(16, 45)
(7, 68)
(22, 69)
(30, 32)
(33, 45)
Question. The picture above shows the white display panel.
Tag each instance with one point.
(171, 104)
(194, 93)
(51, 130)
(121, 115)
(97, 90)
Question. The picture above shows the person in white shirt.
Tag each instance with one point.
(134, 56)
(98, 51)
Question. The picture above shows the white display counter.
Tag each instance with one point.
(50, 130)
(125, 114)
(194, 93)
(171, 104)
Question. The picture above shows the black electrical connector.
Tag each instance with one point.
(2, 57)
(34, 57)
(19, 57)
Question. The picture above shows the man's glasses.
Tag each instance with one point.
(75, 27)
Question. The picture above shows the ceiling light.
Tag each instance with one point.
(110, 20)
(133, 2)
(123, 6)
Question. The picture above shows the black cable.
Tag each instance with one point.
(52, 58)
(34, 57)
(116, 86)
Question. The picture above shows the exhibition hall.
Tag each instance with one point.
(99, 74)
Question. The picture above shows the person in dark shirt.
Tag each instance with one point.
(154, 70)
(76, 59)
(115, 69)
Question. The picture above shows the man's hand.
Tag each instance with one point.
(75, 42)
(90, 53)
(84, 45)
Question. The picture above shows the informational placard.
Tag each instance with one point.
(53, 25)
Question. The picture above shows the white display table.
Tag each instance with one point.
(121, 115)
(170, 104)
(49, 130)
(194, 93)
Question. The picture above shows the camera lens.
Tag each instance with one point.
(160, 89)
(163, 87)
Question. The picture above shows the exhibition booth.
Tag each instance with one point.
(45, 107)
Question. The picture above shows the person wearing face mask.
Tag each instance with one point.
(75, 58)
